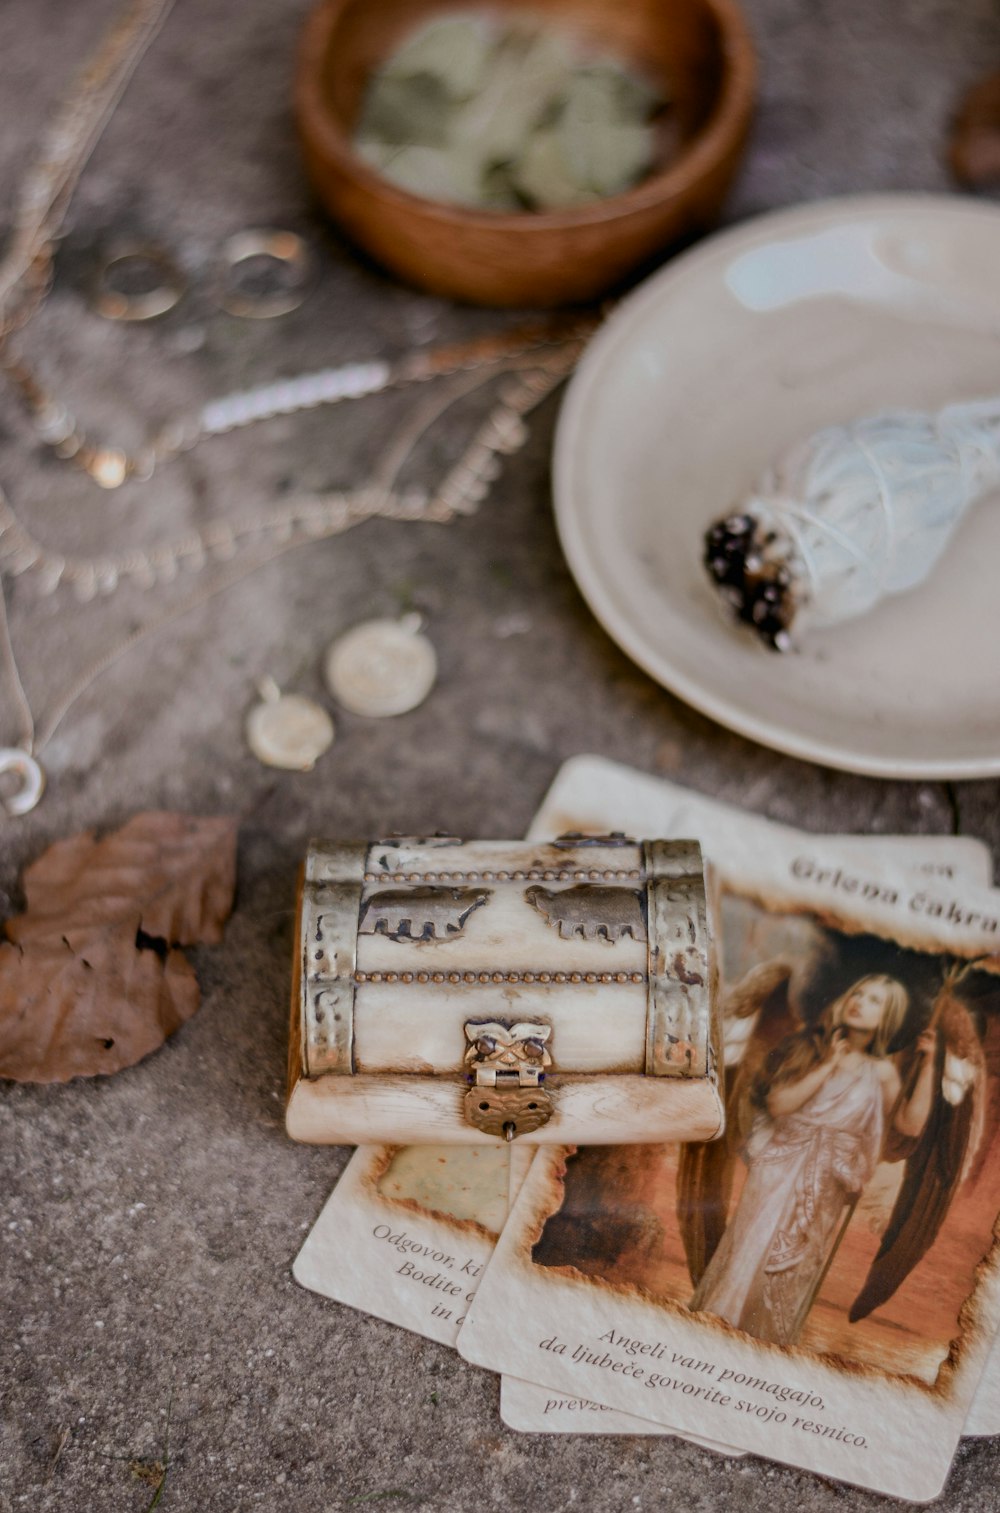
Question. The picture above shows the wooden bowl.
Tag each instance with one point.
(700, 48)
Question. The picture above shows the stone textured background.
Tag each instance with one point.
(149, 1222)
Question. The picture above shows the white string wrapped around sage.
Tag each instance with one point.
(851, 515)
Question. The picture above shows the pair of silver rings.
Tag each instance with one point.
(262, 274)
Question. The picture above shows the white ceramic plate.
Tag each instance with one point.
(710, 369)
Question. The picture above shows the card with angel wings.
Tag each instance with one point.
(821, 1285)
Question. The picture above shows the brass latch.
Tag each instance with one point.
(507, 1065)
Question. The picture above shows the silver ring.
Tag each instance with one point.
(15, 759)
(117, 303)
(292, 265)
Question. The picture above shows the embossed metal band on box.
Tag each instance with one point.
(331, 903)
(679, 986)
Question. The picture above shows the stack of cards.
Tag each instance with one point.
(822, 1286)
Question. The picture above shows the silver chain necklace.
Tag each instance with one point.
(311, 519)
(26, 277)
(537, 359)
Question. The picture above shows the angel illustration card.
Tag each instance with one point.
(820, 1286)
(592, 793)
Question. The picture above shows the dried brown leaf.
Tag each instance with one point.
(92, 975)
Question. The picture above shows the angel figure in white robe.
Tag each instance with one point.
(825, 1105)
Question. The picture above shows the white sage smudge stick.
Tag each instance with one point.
(851, 515)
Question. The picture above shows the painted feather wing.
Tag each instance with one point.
(938, 1161)
(758, 1003)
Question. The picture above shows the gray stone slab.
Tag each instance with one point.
(149, 1221)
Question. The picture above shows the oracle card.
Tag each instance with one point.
(407, 1231)
(819, 1286)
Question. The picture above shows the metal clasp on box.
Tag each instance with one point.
(506, 1065)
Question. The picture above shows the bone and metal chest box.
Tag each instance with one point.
(488, 990)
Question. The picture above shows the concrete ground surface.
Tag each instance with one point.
(149, 1221)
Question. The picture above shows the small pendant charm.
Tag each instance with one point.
(382, 667)
(288, 730)
(14, 759)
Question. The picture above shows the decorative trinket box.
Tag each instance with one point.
(481, 990)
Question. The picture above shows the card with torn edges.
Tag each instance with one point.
(821, 1286)
(531, 1409)
(407, 1231)
(591, 793)
(984, 1415)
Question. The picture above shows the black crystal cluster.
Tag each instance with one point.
(757, 588)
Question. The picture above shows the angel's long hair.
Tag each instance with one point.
(797, 1054)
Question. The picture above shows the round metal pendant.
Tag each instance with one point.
(13, 759)
(382, 667)
(289, 731)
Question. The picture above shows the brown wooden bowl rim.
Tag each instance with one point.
(720, 135)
